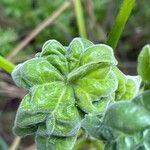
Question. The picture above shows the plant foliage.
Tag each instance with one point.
(125, 125)
(64, 84)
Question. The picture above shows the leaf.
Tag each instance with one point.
(60, 62)
(92, 90)
(119, 114)
(56, 108)
(132, 87)
(121, 83)
(34, 72)
(92, 58)
(90, 143)
(55, 143)
(128, 86)
(98, 53)
(125, 125)
(144, 63)
(134, 112)
(51, 47)
(54, 52)
(75, 51)
(95, 127)
(65, 84)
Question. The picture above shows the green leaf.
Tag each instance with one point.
(75, 51)
(98, 53)
(144, 63)
(52, 47)
(125, 125)
(90, 143)
(65, 84)
(54, 52)
(60, 62)
(94, 126)
(132, 87)
(93, 91)
(55, 143)
(128, 86)
(121, 83)
(135, 113)
(119, 114)
(34, 72)
(52, 111)
(93, 57)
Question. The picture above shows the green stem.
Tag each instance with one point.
(80, 18)
(120, 22)
(6, 65)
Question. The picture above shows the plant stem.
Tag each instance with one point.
(80, 18)
(117, 29)
(6, 65)
(15, 143)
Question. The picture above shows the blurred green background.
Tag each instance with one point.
(19, 17)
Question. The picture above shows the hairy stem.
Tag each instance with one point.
(117, 29)
(6, 65)
(80, 18)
